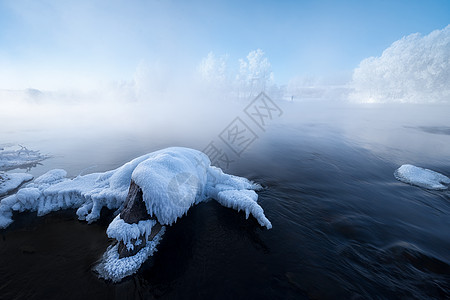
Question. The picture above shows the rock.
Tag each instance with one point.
(134, 211)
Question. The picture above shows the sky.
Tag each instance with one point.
(71, 44)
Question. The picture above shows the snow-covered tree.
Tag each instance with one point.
(254, 75)
(415, 68)
(213, 70)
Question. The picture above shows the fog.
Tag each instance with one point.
(81, 77)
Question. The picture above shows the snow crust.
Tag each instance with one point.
(11, 181)
(422, 177)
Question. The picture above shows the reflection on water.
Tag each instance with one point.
(343, 227)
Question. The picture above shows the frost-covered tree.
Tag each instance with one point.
(214, 77)
(415, 68)
(213, 70)
(254, 75)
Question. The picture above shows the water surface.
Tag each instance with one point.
(343, 227)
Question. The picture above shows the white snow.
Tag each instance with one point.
(422, 177)
(111, 267)
(89, 193)
(13, 157)
(11, 181)
(51, 177)
(172, 181)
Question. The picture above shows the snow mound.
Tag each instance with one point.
(111, 267)
(422, 177)
(172, 180)
(14, 157)
(11, 181)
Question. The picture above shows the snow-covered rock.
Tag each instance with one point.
(169, 184)
(171, 181)
(422, 177)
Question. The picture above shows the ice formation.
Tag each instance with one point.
(172, 180)
(111, 267)
(13, 157)
(422, 177)
(121, 231)
(11, 181)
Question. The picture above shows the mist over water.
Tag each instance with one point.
(342, 225)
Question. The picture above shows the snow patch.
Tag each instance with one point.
(422, 177)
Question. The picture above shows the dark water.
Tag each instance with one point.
(343, 228)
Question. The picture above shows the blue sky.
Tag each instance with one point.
(48, 44)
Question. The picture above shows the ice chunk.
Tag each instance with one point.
(237, 193)
(11, 181)
(13, 157)
(422, 177)
(111, 267)
(244, 200)
(122, 231)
